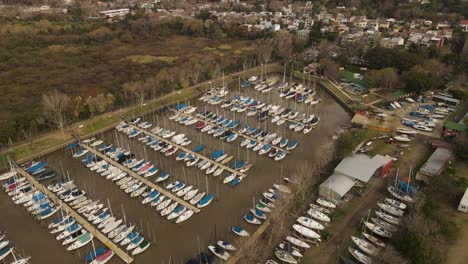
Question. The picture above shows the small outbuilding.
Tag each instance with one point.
(463, 206)
(435, 165)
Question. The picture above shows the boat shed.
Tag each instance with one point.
(357, 167)
(463, 206)
(446, 99)
(435, 165)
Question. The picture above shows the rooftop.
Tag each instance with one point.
(464, 199)
(456, 126)
(436, 162)
(360, 166)
(339, 183)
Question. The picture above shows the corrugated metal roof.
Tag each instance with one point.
(338, 183)
(360, 166)
(456, 126)
(436, 162)
(464, 200)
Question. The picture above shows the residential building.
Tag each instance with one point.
(392, 42)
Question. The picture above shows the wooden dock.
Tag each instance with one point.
(231, 170)
(88, 226)
(232, 130)
(142, 179)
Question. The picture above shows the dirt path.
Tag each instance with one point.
(457, 253)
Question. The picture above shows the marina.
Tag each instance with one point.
(235, 132)
(140, 178)
(195, 154)
(96, 233)
(229, 205)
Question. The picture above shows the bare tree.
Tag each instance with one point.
(264, 49)
(137, 90)
(330, 69)
(284, 44)
(389, 78)
(390, 256)
(54, 106)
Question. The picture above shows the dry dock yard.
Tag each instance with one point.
(221, 153)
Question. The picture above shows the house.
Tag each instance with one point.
(304, 33)
(351, 170)
(442, 24)
(385, 24)
(392, 42)
(435, 165)
(463, 206)
(373, 24)
(115, 13)
(361, 23)
(464, 25)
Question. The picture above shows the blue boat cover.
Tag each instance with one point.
(72, 146)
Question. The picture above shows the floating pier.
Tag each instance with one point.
(243, 175)
(235, 132)
(142, 179)
(96, 233)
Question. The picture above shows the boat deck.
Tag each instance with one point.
(235, 132)
(142, 179)
(227, 168)
(88, 226)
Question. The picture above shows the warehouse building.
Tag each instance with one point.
(357, 168)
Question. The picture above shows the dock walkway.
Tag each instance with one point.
(235, 132)
(231, 170)
(88, 226)
(142, 179)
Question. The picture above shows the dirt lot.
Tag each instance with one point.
(348, 217)
(457, 253)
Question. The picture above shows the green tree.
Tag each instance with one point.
(418, 81)
(76, 12)
(416, 247)
(7, 131)
(203, 15)
(315, 35)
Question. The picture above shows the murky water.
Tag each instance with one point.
(172, 243)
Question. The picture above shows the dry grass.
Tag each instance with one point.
(224, 47)
(146, 59)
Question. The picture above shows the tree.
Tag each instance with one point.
(100, 34)
(390, 255)
(439, 71)
(7, 131)
(54, 105)
(283, 41)
(330, 69)
(385, 78)
(137, 90)
(418, 81)
(389, 78)
(299, 44)
(315, 35)
(264, 48)
(326, 48)
(203, 15)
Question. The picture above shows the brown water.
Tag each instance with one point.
(172, 243)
